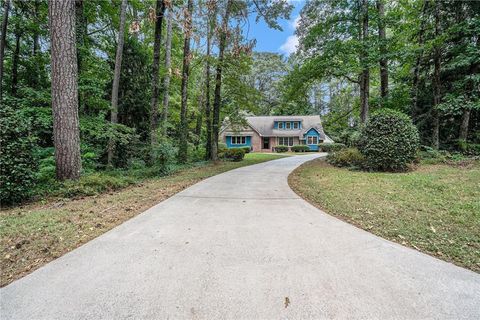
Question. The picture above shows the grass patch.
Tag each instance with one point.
(435, 209)
(36, 233)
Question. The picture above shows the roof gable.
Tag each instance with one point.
(264, 126)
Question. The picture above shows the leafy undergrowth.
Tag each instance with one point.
(36, 233)
(434, 209)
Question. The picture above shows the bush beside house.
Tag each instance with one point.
(281, 148)
(300, 148)
(234, 154)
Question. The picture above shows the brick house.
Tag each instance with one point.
(263, 133)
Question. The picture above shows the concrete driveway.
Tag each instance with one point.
(242, 245)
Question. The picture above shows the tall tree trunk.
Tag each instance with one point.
(36, 46)
(436, 82)
(472, 88)
(79, 27)
(15, 60)
(81, 35)
(365, 75)
(198, 126)
(416, 70)
(463, 134)
(168, 67)
(383, 51)
(66, 133)
(217, 99)
(3, 40)
(159, 12)
(183, 149)
(208, 113)
(116, 78)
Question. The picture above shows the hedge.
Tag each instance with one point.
(300, 148)
(281, 148)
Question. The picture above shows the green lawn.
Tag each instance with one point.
(434, 209)
(31, 235)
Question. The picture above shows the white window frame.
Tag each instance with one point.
(288, 125)
(314, 138)
(281, 125)
(234, 140)
(289, 141)
(296, 125)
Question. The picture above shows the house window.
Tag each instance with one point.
(239, 140)
(288, 125)
(285, 141)
(280, 125)
(295, 125)
(312, 140)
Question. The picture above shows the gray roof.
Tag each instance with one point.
(263, 125)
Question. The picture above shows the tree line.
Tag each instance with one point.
(112, 82)
(420, 57)
(90, 85)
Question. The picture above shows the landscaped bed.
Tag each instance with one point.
(434, 208)
(36, 233)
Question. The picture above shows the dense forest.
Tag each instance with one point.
(90, 86)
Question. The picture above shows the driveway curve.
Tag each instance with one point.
(243, 245)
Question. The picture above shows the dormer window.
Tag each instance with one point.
(296, 125)
(280, 125)
(288, 125)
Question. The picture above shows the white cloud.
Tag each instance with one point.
(295, 22)
(290, 45)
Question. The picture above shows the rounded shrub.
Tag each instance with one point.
(281, 148)
(300, 148)
(389, 141)
(234, 154)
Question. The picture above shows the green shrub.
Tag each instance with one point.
(246, 149)
(222, 147)
(234, 154)
(349, 137)
(389, 141)
(331, 147)
(196, 154)
(95, 183)
(46, 166)
(474, 149)
(17, 161)
(281, 148)
(300, 148)
(95, 133)
(164, 157)
(428, 155)
(349, 157)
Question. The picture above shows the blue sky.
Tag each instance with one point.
(273, 40)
